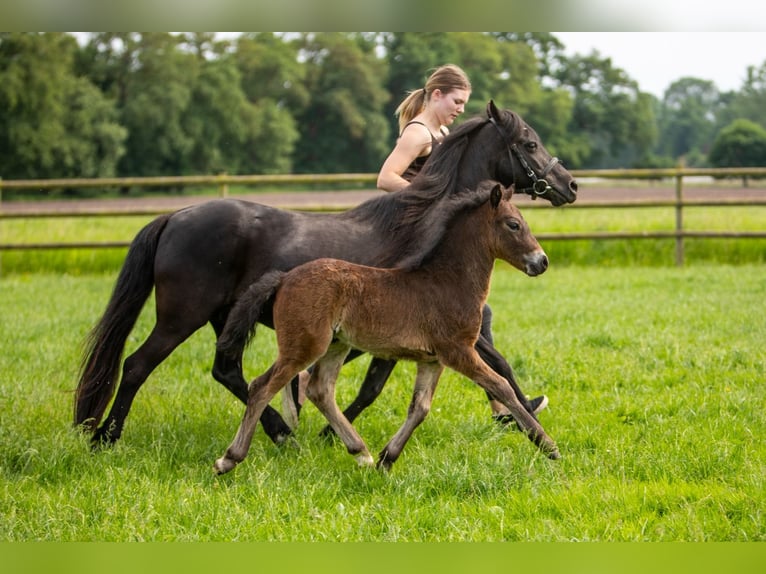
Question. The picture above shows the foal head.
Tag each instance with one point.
(513, 240)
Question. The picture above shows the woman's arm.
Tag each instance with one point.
(414, 142)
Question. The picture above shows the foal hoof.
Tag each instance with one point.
(364, 459)
(223, 465)
(554, 454)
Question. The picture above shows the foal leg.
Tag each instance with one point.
(227, 370)
(498, 364)
(261, 391)
(469, 363)
(425, 386)
(321, 392)
(378, 373)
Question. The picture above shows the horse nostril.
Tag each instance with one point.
(573, 186)
(543, 263)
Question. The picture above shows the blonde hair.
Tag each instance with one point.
(445, 79)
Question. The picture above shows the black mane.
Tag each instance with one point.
(414, 219)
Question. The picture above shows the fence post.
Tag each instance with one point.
(223, 188)
(679, 220)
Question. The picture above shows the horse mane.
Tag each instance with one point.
(414, 219)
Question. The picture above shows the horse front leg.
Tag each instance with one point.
(420, 405)
(321, 391)
(497, 363)
(469, 363)
(486, 347)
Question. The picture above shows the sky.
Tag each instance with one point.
(656, 59)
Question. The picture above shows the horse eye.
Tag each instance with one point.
(532, 146)
(514, 225)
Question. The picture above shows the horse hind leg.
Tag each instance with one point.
(321, 392)
(227, 370)
(260, 392)
(135, 370)
(420, 405)
(377, 375)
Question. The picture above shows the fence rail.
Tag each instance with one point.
(222, 182)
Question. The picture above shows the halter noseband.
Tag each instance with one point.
(540, 185)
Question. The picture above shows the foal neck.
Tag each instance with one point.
(465, 258)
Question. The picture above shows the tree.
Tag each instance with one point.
(269, 67)
(342, 129)
(52, 122)
(273, 81)
(612, 118)
(740, 144)
(687, 120)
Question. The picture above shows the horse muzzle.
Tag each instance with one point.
(556, 196)
(536, 263)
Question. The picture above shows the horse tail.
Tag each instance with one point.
(244, 315)
(104, 345)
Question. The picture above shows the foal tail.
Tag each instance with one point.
(104, 345)
(244, 315)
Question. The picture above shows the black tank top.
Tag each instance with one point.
(417, 164)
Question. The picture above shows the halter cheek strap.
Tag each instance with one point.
(540, 185)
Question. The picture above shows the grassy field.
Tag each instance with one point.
(655, 376)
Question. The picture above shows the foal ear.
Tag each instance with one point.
(492, 111)
(495, 196)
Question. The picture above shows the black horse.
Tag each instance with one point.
(200, 259)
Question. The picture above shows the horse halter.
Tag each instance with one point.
(540, 185)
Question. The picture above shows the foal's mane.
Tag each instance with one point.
(414, 237)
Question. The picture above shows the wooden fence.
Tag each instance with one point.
(367, 180)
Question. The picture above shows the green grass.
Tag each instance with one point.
(655, 377)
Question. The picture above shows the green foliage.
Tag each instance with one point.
(654, 377)
(52, 123)
(688, 118)
(342, 123)
(740, 144)
(153, 104)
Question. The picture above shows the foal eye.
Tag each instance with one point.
(514, 225)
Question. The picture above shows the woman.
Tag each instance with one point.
(423, 119)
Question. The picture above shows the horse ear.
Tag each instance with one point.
(492, 111)
(496, 195)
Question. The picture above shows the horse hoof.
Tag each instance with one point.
(223, 465)
(554, 454)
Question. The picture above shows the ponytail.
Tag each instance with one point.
(445, 79)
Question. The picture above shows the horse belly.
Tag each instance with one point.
(386, 344)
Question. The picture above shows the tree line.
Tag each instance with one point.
(153, 104)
